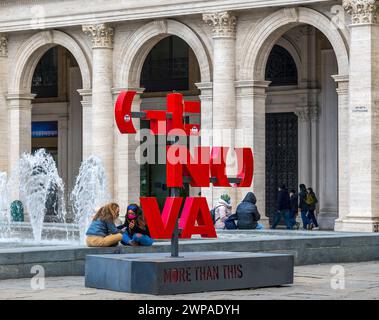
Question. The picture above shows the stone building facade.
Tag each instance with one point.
(317, 125)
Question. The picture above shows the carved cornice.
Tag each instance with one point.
(361, 11)
(223, 24)
(101, 35)
(3, 46)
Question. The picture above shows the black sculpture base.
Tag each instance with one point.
(158, 273)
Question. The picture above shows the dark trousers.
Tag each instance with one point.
(312, 217)
(286, 216)
(304, 218)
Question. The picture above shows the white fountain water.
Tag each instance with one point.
(40, 183)
(89, 193)
(4, 206)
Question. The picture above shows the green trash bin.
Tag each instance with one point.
(17, 211)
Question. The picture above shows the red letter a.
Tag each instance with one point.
(196, 210)
(161, 227)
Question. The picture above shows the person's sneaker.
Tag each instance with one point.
(316, 228)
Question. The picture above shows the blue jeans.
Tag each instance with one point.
(293, 217)
(285, 214)
(304, 218)
(259, 226)
(141, 239)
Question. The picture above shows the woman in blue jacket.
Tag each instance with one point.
(103, 232)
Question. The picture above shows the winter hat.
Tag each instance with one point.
(226, 198)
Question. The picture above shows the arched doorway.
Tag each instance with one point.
(133, 55)
(55, 77)
(281, 128)
(170, 66)
(57, 112)
(302, 120)
(319, 52)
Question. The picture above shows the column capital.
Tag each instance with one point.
(309, 113)
(251, 88)
(361, 11)
(303, 114)
(85, 92)
(101, 35)
(343, 83)
(206, 90)
(3, 45)
(87, 97)
(223, 24)
(20, 96)
(116, 91)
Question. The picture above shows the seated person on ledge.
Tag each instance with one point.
(136, 231)
(103, 232)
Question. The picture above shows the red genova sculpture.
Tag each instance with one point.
(208, 164)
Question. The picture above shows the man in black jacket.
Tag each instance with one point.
(283, 208)
(247, 213)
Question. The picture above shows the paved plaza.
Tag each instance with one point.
(327, 281)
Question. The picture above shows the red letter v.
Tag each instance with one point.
(161, 227)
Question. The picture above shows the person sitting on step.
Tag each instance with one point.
(136, 230)
(102, 231)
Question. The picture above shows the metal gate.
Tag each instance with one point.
(281, 156)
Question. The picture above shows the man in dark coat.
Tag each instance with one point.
(247, 213)
(283, 208)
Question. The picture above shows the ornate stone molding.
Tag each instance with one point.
(361, 11)
(303, 115)
(223, 24)
(306, 114)
(314, 113)
(3, 46)
(101, 35)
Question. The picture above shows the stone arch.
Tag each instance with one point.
(261, 39)
(136, 49)
(32, 50)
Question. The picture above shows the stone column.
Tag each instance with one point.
(251, 132)
(86, 122)
(224, 103)
(3, 103)
(363, 213)
(20, 129)
(126, 161)
(206, 98)
(63, 148)
(343, 149)
(304, 141)
(75, 134)
(314, 114)
(102, 100)
(328, 143)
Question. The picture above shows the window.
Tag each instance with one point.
(281, 68)
(45, 77)
(166, 66)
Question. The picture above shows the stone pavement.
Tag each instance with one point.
(360, 281)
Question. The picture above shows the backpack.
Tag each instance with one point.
(213, 214)
(310, 199)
